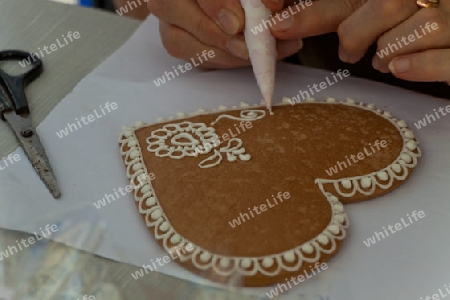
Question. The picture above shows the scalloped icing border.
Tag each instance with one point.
(290, 260)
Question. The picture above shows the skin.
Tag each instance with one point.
(361, 23)
(218, 26)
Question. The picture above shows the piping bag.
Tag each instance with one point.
(261, 47)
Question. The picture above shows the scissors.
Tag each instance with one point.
(17, 115)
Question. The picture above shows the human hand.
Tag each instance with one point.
(188, 27)
(360, 23)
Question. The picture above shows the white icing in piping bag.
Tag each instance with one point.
(261, 47)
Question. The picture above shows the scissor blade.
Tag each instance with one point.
(33, 148)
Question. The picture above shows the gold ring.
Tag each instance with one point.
(427, 3)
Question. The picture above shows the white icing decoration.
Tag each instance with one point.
(323, 239)
(245, 115)
(246, 262)
(247, 266)
(225, 262)
(175, 239)
(289, 256)
(331, 100)
(214, 160)
(205, 256)
(401, 123)
(346, 183)
(307, 248)
(383, 175)
(366, 182)
(267, 262)
(310, 99)
(286, 100)
(350, 101)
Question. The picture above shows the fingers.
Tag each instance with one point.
(362, 28)
(308, 18)
(227, 14)
(180, 13)
(181, 44)
(427, 29)
(427, 66)
(274, 5)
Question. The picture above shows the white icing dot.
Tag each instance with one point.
(409, 134)
(181, 114)
(289, 256)
(411, 145)
(406, 157)
(132, 143)
(323, 239)
(205, 256)
(340, 218)
(383, 175)
(160, 120)
(310, 99)
(366, 182)
(396, 168)
(371, 106)
(331, 100)
(245, 157)
(346, 183)
(333, 198)
(134, 154)
(350, 101)
(286, 100)
(307, 248)
(243, 104)
(231, 157)
(387, 114)
(146, 188)
(401, 123)
(339, 207)
(175, 239)
(137, 167)
(164, 226)
(127, 133)
(222, 107)
(156, 214)
(267, 262)
(333, 229)
(150, 201)
(139, 123)
(246, 262)
(190, 248)
(224, 262)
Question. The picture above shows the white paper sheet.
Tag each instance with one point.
(410, 264)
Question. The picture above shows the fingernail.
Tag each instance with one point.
(238, 48)
(284, 24)
(288, 48)
(228, 21)
(399, 65)
(376, 64)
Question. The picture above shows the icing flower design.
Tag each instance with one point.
(182, 139)
(191, 139)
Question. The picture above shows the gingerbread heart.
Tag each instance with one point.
(240, 195)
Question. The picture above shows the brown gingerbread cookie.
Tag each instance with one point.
(252, 198)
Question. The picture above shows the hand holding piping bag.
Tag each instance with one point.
(261, 47)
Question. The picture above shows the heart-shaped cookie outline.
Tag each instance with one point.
(325, 242)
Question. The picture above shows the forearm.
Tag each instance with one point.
(132, 8)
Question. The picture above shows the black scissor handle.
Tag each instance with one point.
(15, 85)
